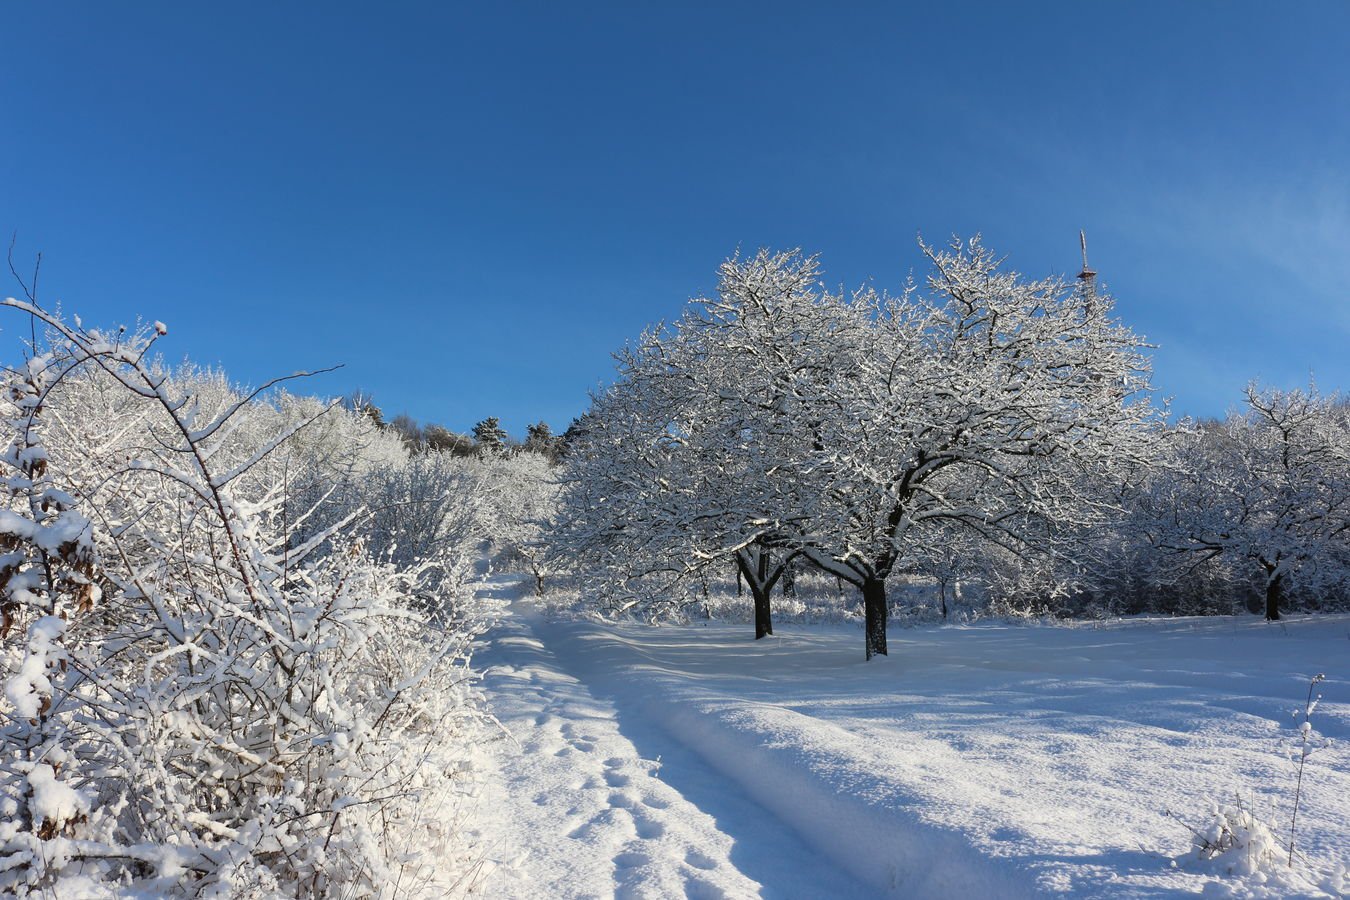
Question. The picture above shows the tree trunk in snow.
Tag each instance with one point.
(752, 568)
(789, 582)
(760, 589)
(874, 612)
(763, 618)
(1274, 584)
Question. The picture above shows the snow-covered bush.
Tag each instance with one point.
(1230, 831)
(1232, 840)
(521, 492)
(212, 686)
(427, 516)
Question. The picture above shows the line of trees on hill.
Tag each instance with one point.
(487, 438)
(984, 428)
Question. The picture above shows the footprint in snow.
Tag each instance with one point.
(648, 829)
(700, 861)
(612, 823)
(631, 860)
(621, 801)
(698, 889)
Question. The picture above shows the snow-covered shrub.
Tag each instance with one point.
(1230, 831)
(1233, 841)
(212, 687)
(428, 517)
(522, 496)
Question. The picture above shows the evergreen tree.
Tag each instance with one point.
(574, 433)
(490, 436)
(539, 438)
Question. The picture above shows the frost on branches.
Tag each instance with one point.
(1265, 494)
(777, 422)
(211, 685)
(521, 494)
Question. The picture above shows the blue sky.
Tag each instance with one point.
(472, 206)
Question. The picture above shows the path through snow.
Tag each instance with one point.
(987, 761)
(585, 813)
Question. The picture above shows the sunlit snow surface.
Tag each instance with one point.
(982, 761)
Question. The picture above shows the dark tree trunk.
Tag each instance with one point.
(1274, 587)
(752, 568)
(874, 612)
(739, 581)
(942, 595)
(763, 617)
(789, 581)
(761, 588)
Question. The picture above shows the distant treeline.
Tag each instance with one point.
(488, 437)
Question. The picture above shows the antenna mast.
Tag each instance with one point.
(1087, 276)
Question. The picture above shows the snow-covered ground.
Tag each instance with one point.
(991, 760)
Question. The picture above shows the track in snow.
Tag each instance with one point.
(988, 761)
(599, 801)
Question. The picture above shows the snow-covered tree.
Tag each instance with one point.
(617, 525)
(539, 438)
(1269, 486)
(490, 436)
(520, 495)
(784, 420)
(975, 406)
(683, 464)
(427, 516)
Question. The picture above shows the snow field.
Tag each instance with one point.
(980, 761)
(584, 815)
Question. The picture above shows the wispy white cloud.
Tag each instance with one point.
(1297, 225)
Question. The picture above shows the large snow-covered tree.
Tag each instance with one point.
(841, 428)
(685, 463)
(976, 404)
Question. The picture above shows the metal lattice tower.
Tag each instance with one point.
(1087, 276)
